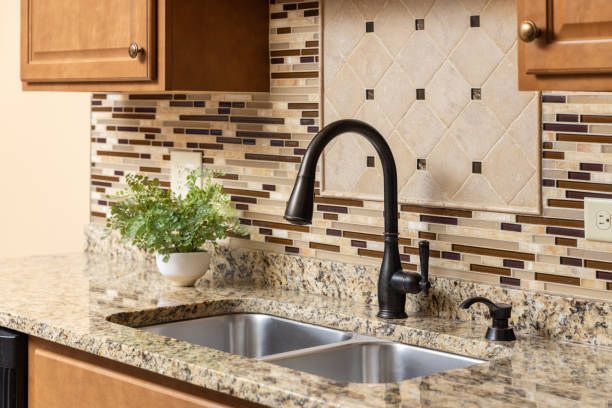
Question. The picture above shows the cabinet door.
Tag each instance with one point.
(86, 40)
(60, 377)
(575, 37)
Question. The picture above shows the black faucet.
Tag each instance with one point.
(393, 282)
(500, 313)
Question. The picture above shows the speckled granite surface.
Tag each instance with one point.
(534, 313)
(67, 299)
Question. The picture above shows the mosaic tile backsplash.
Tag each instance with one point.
(258, 140)
(438, 80)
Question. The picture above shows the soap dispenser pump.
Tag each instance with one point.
(500, 313)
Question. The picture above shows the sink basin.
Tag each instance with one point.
(373, 362)
(330, 353)
(249, 335)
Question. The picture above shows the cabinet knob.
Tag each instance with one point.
(529, 31)
(135, 50)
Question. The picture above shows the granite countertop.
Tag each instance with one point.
(85, 302)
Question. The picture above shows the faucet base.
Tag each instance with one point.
(391, 314)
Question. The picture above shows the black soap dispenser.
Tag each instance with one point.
(500, 313)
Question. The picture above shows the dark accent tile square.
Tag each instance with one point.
(476, 167)
(419, 24)
(369, 94)
(369, 26)
(474, 21)
(476, 94)
(370, 161)
(421, 164)
(420, 94)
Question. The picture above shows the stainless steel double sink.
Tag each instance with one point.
(334, 354)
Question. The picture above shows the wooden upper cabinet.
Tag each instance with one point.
(75, 41)
(565, 44)
(197, 45)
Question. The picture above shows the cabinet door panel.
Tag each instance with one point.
(576, 36)
(63, 378)
(81, 41)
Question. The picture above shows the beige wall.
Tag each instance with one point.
(44, 158)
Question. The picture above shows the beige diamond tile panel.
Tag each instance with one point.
(390, 27)
(438, 79)
(398, 91)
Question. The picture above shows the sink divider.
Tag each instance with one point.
(355, 339)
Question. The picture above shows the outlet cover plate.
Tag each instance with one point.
(182, 163)
(597, 219)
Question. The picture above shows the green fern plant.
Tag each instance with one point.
(158, 221)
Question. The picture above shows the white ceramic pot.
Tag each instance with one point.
(183, 269)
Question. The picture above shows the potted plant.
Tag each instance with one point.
(172, 227)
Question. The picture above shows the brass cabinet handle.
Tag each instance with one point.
(135, 50)
(529, 31)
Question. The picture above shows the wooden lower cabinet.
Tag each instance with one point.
(61, 377)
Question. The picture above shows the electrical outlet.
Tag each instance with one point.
(603, 220)
(597, 219)
(182, 163)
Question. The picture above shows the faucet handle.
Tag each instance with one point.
(424, 257)
(412, 282)
(500, 313)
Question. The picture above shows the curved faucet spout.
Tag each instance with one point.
(300, 205)
(391, 292)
